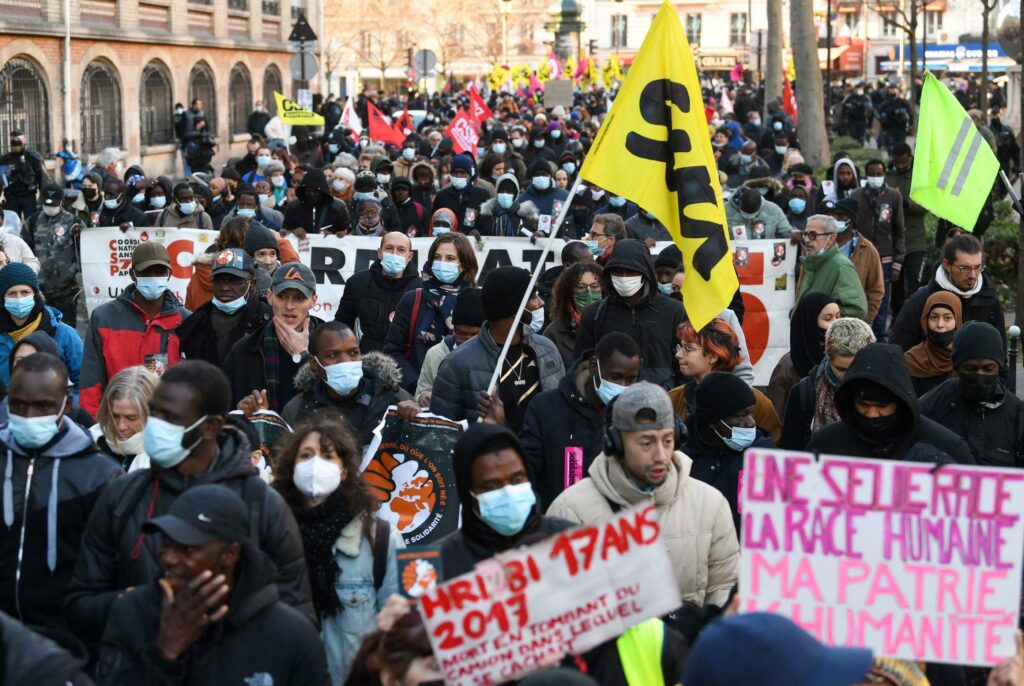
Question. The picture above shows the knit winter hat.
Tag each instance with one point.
(974, 339)
(259, 237)
(469, 308)
(17, 274)
(503, 291)
(721, 395)
(463, 162)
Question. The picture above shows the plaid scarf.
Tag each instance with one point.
(271, 362)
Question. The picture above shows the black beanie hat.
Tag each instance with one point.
(977, 339)
(669, 257)
(721, 395)
(259, 237)
(503, 291)
(469, 308)
(539, 166)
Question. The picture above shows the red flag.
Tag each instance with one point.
(478, 109)
(788, 100)
(380, 126)
(463, 133)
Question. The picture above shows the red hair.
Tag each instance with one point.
(717, 340)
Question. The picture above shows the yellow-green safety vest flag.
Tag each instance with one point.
(654, 148)
(295, 114)
(954, 167)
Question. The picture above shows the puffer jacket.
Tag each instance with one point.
(522, 215)
(994, 434)
(768, 222)
(652, 322)
(642, 227)
(379, 388)
(54, 244)
(69, 344)
(880, 218)
(40, 540)
(327, 214)
(547, 202)
(30, 659)
(695, 519)
(172, 218)
(199, 340)
(831, 272)
(115, 554)
(468, 369)
(372, 298)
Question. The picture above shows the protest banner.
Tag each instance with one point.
(419, 570)
(408, 468)
(912, 561)
(568, 593)
(270, 427)
(765, 267)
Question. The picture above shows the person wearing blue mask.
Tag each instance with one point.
(247, 205)
(58, 475)
(338, 376)
(720, 427)
(499, 505)
(542, 192)
(505, 214)
(372, 295)
(185, 212)
(562, 432)
(25, 312)
(259, 171)
(751, 216)
(249, 162)
(744, 165)
(117, 208)
(462, 196)
(210, 331)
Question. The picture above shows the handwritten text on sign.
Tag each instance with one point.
(911, 561)
(513, 612)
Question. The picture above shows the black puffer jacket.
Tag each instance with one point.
(380, 387)
(115, 554)
(995, 434)
(883, 363)
(199, 340)
(982, 307)
(327, 214)
(465, 204)
(261, 641)
(652, 322)
(29, 659)
(522, 215)
(372, 298)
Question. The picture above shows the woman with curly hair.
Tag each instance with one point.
(715, 348)
(399, 655)
(350, 552)
(577, 288)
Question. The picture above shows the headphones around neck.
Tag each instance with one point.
(611, 441)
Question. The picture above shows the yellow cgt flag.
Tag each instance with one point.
(294, 114)
(654, 149)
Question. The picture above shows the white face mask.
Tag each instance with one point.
(627, 286)
(129, 446)
(316, 478)
(876, 181)
(536, 320)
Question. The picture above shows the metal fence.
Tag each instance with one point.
(24, 103)
(155, 105)
(100, 109)
(200, 85)
(239, 99)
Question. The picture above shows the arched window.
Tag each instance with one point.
(100, 108)
(239, 98)
(200, 85)
(155, 105)
(271, 83)
(24, 103)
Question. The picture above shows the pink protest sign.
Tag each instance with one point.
(910, 561)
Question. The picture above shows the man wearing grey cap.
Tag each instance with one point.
(262, 365)
(640, 463)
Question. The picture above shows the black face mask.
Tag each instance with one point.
(879, 429)
(311, 198)
(978, 388)
(821, 336)
(941, 339)
(90, 193)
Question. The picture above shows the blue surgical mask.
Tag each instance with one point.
(158, 201)
(556, 133)
(797, 205)
(162, 441)
(247, 213)
(343, 377)
(569, 167)
(332, 148)
(264, 198)
(539, 143)
(20, 307)
(741, 438)
(441, 230)
(594, 247)
(606, 390)
(232, 306)
(616, 201)
(111, 203)
(777, 126)
(263, 160)
(459, 182)
(366, 195)
(841, 225)
(498, 148)
(445, 272)
(665, 288)
(187, 208)
(746, 159)
(139, 198)
(408, 153)
(392, 264)
(506, 509)
(780, 149)
(35, 432)
(505, 200)
(152, 287)
(541, 183)
(875, 181)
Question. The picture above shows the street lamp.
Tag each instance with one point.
(503, 9)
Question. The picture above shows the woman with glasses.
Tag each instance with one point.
(577, 288)
(827, 270)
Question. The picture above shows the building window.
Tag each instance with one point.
(100, 108)
(24, 103)
(200, 86)
(738, 28)
(620, 31)
(298, 7)
(155, 104)
(271, 8)
(271, 83)
(239, 98)
(932, 22)
(889, 24)
(853, 21)
(693, 29)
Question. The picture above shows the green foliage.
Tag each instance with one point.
(1001, 245)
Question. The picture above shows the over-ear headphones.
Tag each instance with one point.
(611, 443)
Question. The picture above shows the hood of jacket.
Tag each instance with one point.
(376, 366)
(849, 163)
(315, 178)
(774, 186)
(526, 210)
(883, 364)
(254, 588)
(633, 255)
(422, 165)
(611, 480)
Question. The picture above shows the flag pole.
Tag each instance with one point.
(1013, 196)
(555, 228)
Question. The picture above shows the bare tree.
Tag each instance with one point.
(907, 18)
(809, 93)
(773, 60)
(377, 33)
(987, 7)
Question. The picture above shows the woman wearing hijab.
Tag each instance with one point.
(814, 312)
(930, 362)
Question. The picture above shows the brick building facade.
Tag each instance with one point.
(131, 61)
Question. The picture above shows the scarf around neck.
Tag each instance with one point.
(945, 284)
(320, 527)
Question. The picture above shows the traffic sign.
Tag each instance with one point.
(303, 66)
(424, 60)
(302, 31)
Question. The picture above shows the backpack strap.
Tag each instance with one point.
(381, 537)
(412, 322)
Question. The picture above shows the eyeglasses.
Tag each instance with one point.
(583, 288)
(811, 236)
(597, 236)
(966, 269)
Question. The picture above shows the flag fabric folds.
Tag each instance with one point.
(381, 128)
(295, 114)
(654, 149)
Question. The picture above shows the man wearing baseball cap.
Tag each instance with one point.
(210, 332)
(138, 327)
(641, 463)
(263, 364)
(213, 574)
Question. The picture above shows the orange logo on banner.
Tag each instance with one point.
(419, 577)
(416, 495)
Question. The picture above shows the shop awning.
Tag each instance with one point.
(836, 52)
(894, 65)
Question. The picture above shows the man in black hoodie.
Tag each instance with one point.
(635, 307)
(499, 505)
(314, 210)
(371, 295)
(879, 415)
(188, 445)
(117, 207)
(214, 616)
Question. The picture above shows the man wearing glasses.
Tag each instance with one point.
(826, 270)
(962, 273)
(606, 230)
